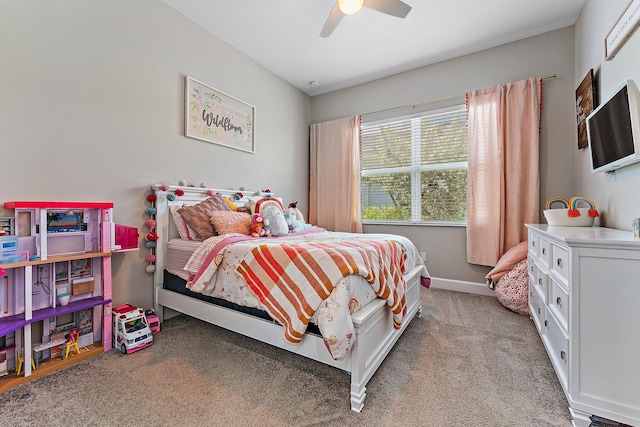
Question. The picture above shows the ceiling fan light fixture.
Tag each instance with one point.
(350, 7)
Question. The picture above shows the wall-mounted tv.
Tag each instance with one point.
(613, 130)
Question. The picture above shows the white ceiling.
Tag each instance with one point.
(283, 35)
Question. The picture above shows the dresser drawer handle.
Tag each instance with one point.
(531, 294)
(559, 262)
(538, 310)
(544, 251)
(563, 355)
(533, 243)
(546, 323)
(559, 301)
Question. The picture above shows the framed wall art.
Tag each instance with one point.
(218, 118)
(585, 103)
(624, 28)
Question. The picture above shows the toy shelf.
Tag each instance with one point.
(13, 323)
(68, 236)
(55, 259)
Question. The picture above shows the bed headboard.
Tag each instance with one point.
(164, 224)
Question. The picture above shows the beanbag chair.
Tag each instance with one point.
(512, 288)
(509, 279)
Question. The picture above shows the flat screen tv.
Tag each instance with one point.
(613, 130)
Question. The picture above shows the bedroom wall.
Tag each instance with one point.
(617, 196)
(550, 53)
(92, 105)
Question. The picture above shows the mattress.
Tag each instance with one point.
(178, 253)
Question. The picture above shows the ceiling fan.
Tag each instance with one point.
(351, 7)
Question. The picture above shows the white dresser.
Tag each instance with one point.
(584, 296)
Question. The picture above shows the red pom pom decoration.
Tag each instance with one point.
(152, 236)
(179, 192)
(151, 258)
(152, 197)
(164, 187)
(150, 223)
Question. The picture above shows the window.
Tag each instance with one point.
(414, 168)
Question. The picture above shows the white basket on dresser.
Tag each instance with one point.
(584, 297)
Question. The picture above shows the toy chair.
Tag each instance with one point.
(20, 361)
(72, 341)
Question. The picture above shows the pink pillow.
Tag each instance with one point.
(225, 222)
(508, 260)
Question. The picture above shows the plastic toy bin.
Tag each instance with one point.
(126, 237)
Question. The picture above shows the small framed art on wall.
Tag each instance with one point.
(585, 103)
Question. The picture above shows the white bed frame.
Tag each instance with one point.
(375, 335)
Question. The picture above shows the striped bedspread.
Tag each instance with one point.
(315, 274)
(291, 280)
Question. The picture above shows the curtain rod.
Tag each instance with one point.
(550, 76)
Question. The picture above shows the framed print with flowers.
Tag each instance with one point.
(218, 118)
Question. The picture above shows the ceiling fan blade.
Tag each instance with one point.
(332, 21)
(390, 7)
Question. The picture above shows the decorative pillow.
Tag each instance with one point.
(508, 260)
(226, 222)
(256, 204)
(274, 220)
(183, 229)
(197, 216)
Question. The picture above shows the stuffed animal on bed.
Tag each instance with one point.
(257, 226)
(293, 222)
(274, 220)
(294, 206)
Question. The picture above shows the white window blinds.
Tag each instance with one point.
(414, 168)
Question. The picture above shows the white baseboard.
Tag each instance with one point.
(462, 286)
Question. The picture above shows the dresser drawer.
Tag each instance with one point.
(534, 242)
(536, 307)
(531, 267)
(541, 280)
(560, 262)
(544, 251)
(557, 344)
(559, 303)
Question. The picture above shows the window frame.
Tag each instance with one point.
(416, 168)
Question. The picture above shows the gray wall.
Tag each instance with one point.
(91, 108)
(92, 105)
(550, 53)
(617, 197)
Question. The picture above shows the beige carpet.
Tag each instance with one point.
(467, 362)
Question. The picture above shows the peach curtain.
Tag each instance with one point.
(334, 175)
(504, 185)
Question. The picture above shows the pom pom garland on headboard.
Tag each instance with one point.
(151, 237)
